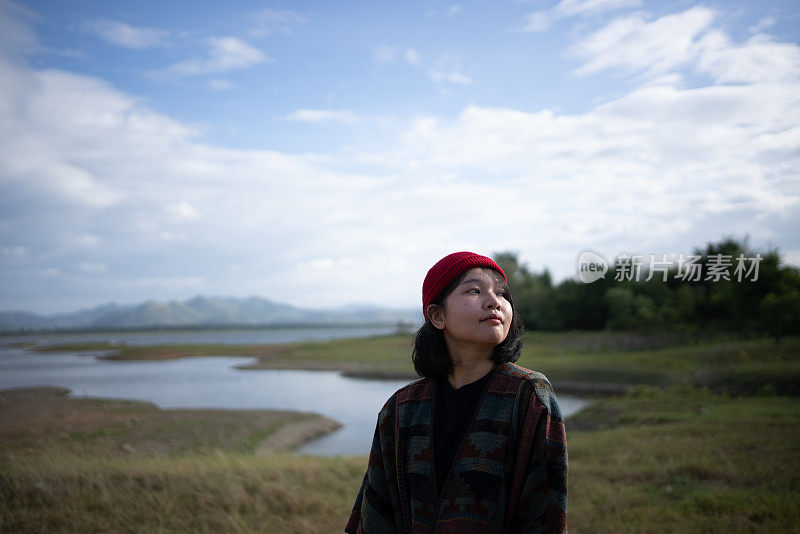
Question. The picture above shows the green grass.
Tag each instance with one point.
(36, 422)
(103, 465)
(680, 460)
(739, 366)
(685, 460)
(212, 493)
(363, 355)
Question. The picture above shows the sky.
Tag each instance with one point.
(323, 154)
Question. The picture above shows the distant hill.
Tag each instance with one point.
(203, 311)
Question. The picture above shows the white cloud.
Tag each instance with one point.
(455, 77)
(92, 267)
(791, 257)
(453, 10)
(412, 57)
(384, 54)
(541, 20)
(390, 54)
(661, 165)
(635, 44)
(591, 7)
(135, 163)
(16, 34)
(326, 264)
(15, 252)
(687, 39)
(87, 240)
(322, 115)
(762, 24)
(73, 54)
(759, 59)
(220, 84)
(168, 283)
(225, 54)
(80, 186)
(448, 69)
(125, 35)
(538, 21)
(661, 162)
(68, 121)
(169, 235)
(182, 211)
(271, 21)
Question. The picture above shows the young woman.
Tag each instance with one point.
(478, 444)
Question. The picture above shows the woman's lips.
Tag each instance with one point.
(494, 319)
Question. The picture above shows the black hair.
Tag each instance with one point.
(430, 355)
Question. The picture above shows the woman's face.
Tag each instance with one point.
(476, 311)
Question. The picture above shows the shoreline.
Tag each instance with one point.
(582, 363)
(572, 387)
(281, 357)
(194, 328)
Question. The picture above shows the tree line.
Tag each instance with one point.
(724, 287)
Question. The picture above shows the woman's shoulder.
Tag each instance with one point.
(538, 382)
(419, 388)
(514, 370)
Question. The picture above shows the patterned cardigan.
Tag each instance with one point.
(509, 476)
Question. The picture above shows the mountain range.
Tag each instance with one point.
(203, 311)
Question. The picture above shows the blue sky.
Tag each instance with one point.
(328, 153)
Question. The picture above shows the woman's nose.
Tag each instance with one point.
(492, 301)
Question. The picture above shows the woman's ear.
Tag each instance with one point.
(436, 315)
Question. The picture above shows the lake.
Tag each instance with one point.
(227, 336)
(215, 382)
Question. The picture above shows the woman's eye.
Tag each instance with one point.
(474, 290)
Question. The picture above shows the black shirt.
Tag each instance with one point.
(453, 411)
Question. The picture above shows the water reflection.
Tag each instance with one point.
(213, 382)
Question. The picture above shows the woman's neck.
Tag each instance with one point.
(469, 365)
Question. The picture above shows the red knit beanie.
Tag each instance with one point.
(448, 269)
